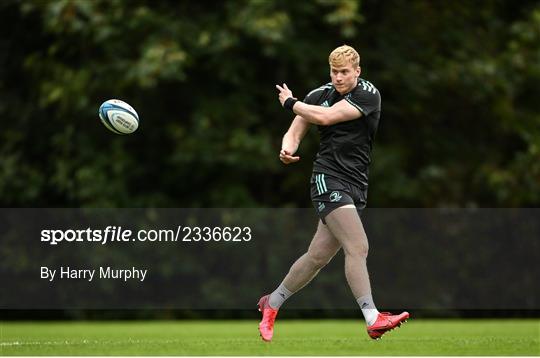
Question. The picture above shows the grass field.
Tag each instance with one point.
(325, 337)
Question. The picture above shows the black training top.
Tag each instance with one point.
(345, 147)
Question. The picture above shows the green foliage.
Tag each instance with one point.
(460, 124)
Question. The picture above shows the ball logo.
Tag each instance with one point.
(335, 196)
(119, 119)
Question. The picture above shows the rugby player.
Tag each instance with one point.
(346, 112)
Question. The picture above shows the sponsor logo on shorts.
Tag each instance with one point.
(321, 206)
(335, 196)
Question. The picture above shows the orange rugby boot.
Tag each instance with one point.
(266, 327)
(386, 322)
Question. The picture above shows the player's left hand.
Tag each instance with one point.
(284, 93)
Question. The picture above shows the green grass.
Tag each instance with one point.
(326, 337)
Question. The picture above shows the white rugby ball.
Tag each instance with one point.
(118, 116)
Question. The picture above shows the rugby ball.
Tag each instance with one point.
(118, 116)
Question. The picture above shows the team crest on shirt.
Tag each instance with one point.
(335, 196)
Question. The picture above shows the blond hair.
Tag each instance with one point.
(344, 55)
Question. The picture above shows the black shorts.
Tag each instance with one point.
(329, 193)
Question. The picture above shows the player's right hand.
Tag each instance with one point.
(287, 158)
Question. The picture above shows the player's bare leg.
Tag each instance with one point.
(322, 249)
(346, 226)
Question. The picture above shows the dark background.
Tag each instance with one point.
(459, 80)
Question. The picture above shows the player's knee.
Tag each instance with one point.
(358, 251)
(318, 259)
(364, 250)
